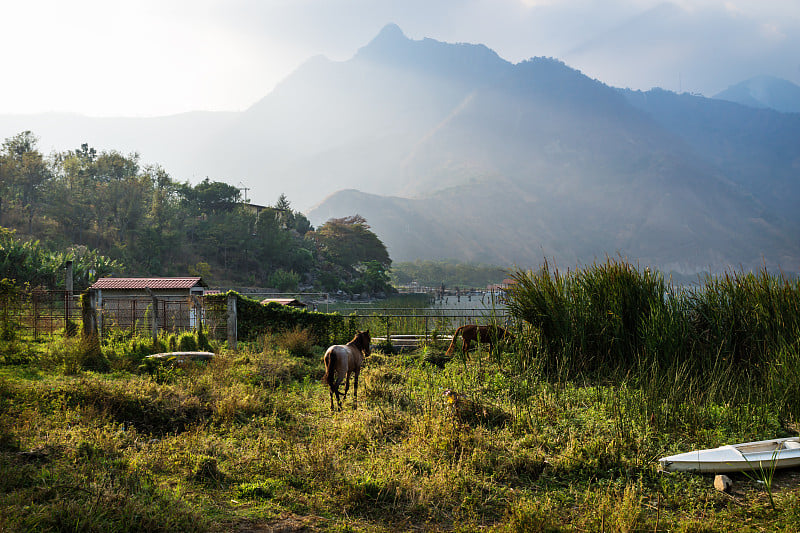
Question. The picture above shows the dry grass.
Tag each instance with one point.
(247, 442)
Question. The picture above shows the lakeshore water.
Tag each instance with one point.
(421, 313)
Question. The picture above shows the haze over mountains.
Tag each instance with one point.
(449, 151)
(766, 92)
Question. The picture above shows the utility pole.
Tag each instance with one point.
(245, 189)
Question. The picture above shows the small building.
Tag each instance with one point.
(127, 303)
(502, 286)
(291, 302)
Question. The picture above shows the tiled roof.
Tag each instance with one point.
(151, 283)
(284, 301)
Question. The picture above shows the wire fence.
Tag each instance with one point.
(40, 312)
(425, 321)
(33, 313)
(137, 314)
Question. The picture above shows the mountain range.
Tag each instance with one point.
(766, 92)
(449, 151)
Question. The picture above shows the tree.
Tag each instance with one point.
(301, 224)
(375, 277)
(101, 196)
(122, 192)
(140, 217)
(210, 196)
(32, 263)
(283, 212)
(24, 171)
(348, 241)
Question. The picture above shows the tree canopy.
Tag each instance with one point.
(143, 223)
(358, 254)
(348, 241)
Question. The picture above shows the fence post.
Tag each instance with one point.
(68, 300)
(232, 326)
(198, 312)
(154, 324)
(89, 314)
(35, 298)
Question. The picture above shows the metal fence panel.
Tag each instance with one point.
(40, 312)
(136, 314)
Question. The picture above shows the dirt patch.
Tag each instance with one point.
(787, 479)
(287, 523)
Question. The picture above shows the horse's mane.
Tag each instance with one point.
(361, 341)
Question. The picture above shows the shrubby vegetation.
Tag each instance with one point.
(111, 214)
(254, 320)
(31, 262)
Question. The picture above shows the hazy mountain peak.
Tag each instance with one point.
(391, 48)
(390, 33)
(764, 91)
(389, 41)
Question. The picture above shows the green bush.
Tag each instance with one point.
(284, 281)
(70, 355)
(187, 342)
(255, 319)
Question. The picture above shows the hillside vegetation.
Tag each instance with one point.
(110, 215)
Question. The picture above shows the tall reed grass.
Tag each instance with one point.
(733, 337)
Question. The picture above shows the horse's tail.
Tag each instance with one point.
(330, 368)
(453, 342)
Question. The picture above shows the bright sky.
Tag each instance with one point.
(157, 57)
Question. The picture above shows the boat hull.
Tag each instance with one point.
(765, 454)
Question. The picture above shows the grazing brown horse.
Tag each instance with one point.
(480, 334)
(341, 360)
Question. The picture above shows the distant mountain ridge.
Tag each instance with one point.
(449, 151)
(764, 92)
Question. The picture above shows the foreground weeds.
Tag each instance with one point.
(247, 442)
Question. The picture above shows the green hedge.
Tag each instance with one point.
(255, 319)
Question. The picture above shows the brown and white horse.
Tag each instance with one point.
(341, 360)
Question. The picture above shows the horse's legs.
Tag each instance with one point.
(346, 386)
(355, 389)
(335, 390)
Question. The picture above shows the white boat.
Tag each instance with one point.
(763, 454)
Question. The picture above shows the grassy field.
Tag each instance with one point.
(559, 430)
(247, 443)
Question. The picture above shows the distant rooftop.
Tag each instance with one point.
(150, 283)
(291, 302)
